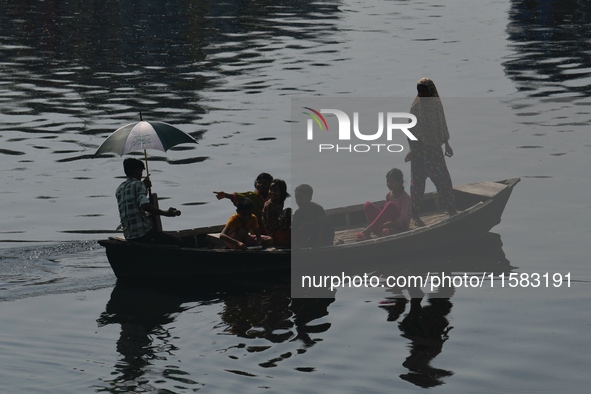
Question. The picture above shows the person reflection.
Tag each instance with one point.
(143, 316)
(425, 323)
(427, 327)
(305, 311)
(274, 316)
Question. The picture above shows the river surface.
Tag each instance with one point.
(517, 77)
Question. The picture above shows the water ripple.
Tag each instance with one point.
(552, 50)
(54, 268)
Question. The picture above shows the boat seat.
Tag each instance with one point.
(214, 238)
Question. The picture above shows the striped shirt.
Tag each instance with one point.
(131, 195)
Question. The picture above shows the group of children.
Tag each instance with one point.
(261, 219)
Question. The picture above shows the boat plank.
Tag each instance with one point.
(485, 189)
(350, 235)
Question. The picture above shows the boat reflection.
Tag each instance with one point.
(260, 309)
(262, 314)
(426, 323)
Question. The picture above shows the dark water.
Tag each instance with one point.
(225, 72)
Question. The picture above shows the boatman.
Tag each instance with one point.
(133, 203)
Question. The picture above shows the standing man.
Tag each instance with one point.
(133, 203)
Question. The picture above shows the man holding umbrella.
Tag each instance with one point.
(133, 202)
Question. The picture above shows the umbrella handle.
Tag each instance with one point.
(146, 159)
(148, 175)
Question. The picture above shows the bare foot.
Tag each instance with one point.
(363, 235)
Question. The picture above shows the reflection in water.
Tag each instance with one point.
(274, 316)
(550, 65)
(427, 328)
(426, 324)
(550, 39)
(264, 318)
(261, 311)
(143, 315)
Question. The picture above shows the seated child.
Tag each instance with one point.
(277, 220)
(237, 234)
(394, 216)
(310, 226)
(258, 197)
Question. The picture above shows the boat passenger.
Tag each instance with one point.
(425, 155)
(133, 203)
(394, 216)
(310, 226)
(238, 232)
(258, 197)
(276, 220)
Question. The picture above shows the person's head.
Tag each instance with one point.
(262, 183)
(303, 194)
(395, 179)
(426, 88)
(133, 168)
(244, 207)
(278, 190)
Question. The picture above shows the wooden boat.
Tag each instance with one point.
(204, 256)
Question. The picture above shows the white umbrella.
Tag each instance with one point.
(143, 135)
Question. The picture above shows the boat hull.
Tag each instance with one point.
(139, 261)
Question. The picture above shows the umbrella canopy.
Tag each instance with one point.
(143, 135)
